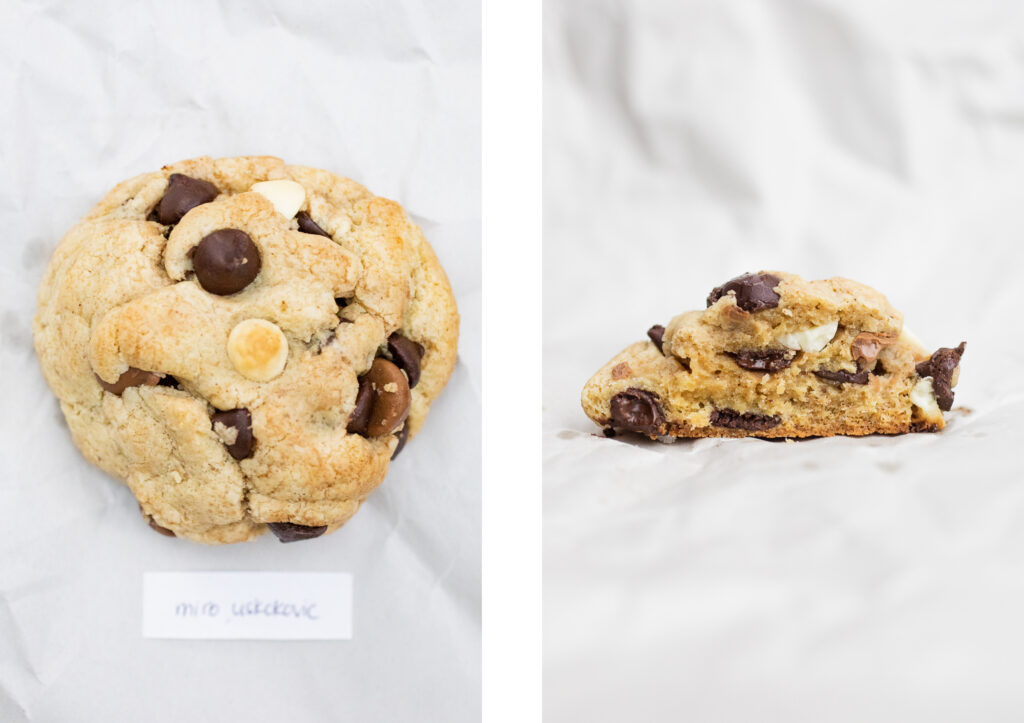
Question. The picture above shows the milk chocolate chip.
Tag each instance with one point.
(407, 355)
(391, 398)
(182, 195)
(941, 367)
(657, 334)
(241, 421)
(763, 360)
(754, 292)
(290, 532)
(749, 421)
(866, 346)
(382, 402)
(226, 261)
(841, 376)
(308, 225)
(131, 378)
(638, 410)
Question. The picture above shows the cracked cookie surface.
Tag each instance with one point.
(774, 355)
(245, 343)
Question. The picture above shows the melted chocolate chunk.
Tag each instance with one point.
(226, 261)
(308, 225)
(867, 345)
(290, 532)
(162, 530)
(403, 437)
(359, 420)
(763, 360)
(941, 367)
(241, 421)
(134, 377)
(182, 195)
(638, 410)
(749, 421)
(406, 355)
(843, 377)
(754, 292)
(657, 334)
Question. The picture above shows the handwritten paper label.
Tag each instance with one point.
(247, 605)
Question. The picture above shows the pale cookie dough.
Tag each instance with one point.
(246, 343)
(774, 355)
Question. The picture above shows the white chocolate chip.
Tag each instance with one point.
(923, 397)
(287, 196)
(257, 349)
(813, 339)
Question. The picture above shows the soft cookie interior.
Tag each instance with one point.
(774, 355)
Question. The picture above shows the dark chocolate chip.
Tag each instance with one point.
(308, 225)
(241, 421)
(406, 354)
(754, 292)
(162, 530)
(226, 261)
(403, 437)
(290, 532)
(638, 410)
(359, 420)
(657, 333)
(843, 377)
(763, 360)
(182, 195)
(940, 367)
(131, 378)
(749, 421)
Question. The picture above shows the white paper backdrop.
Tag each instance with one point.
(92, 93)
(688, 141)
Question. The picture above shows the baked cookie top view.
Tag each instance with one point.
(245, 343)
(774, 355)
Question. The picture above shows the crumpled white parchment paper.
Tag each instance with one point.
(843, 579)
(93, 93)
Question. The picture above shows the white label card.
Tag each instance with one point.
(247, 605)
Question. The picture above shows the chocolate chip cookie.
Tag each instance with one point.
(774, 355)
(247, 344)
